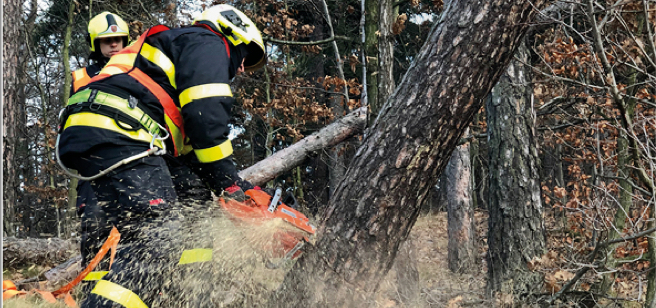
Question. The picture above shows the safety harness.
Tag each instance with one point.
(96, 108)
(124, 63)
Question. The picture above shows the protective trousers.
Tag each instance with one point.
(153, 256)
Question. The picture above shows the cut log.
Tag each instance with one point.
(292, 156)
(49, 252)
(55, 277)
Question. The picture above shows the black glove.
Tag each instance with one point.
(236, 190)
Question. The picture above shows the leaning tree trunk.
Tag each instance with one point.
(11, 110)
(461, 250)
(516, 230)
(401, 157)
(405, 266)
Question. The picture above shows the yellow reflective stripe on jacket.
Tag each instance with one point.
(195, 255)
(121, 58)
(111, 70)
(95, 276)
(176, 134)
(203, 91)
(214, 153)
(118, 294)
(101, 121)
(157, 57)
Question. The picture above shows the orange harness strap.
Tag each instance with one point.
(170, 109)
(64, 292)
(110, 243)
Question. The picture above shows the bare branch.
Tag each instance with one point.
(328, 40)
(586, 268)
(290, 157)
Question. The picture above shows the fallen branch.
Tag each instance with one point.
(18, 252)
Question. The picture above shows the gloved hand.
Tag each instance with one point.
(236, 190)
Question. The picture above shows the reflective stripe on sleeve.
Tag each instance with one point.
(118, 294)
(157, 57)
(95, 276)
(214, 153)
(203, 91)
(195, 255)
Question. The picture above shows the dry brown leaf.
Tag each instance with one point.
(455, 302)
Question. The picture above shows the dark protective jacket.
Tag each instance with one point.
(175, 77)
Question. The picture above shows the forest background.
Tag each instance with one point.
(560, 159)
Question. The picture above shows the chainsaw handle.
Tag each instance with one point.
(274, 200)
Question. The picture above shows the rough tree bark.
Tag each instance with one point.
(403, 153)
(384, 77)
(460, 212)
(516, 229)
(11, 37)
(405, 266)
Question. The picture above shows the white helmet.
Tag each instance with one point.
(239, 29)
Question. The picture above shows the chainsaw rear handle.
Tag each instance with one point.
(274, 201)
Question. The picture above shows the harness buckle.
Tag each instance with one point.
(132, 102)
(94, 106)
(75, 108)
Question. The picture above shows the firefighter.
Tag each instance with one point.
(107, 35)
(166, 94)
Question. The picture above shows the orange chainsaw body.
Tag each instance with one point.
(255, 211)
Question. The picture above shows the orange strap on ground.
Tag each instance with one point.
(110, 243)
(65, 292)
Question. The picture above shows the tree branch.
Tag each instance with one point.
(593, 255)
(400, 2)
(328, 40)
(290, 157)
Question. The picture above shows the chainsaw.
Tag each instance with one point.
(261, 208)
